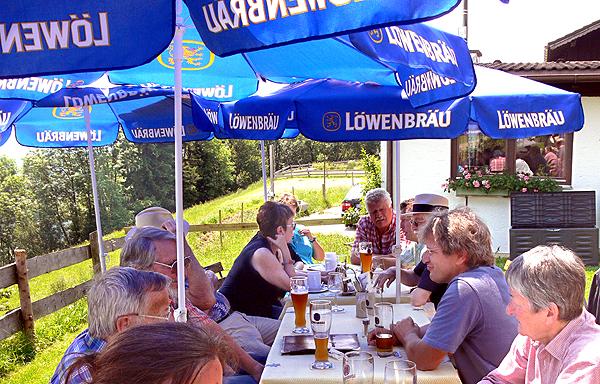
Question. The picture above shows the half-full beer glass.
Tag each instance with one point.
(320, 322)
(365, 248)
(299, 293)
(384, 318)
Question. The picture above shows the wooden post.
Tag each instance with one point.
(242, 219)
(24, 296)
(352, 173)
(95, 253)
(220, 232)
(324, 181)
(293, 194)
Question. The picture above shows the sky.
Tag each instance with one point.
(513, 33)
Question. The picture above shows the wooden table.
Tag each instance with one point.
(296, 369)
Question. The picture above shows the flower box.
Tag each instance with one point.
(482, 192)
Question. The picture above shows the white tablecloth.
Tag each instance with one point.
(296, 369)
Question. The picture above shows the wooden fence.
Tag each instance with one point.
(23, 269)
(337, 168)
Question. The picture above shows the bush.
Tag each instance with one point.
(372, 166)
(350, 216)
(479, 179)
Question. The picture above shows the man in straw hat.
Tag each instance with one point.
(415, 214)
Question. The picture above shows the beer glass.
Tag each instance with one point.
(358, 368)
(400, 372)
(365, 248)
(320, 321)
(384, 318)
(335, 284)
(299, 293)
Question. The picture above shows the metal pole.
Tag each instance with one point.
(272, 168)
(101, 256)
(396, 160)
(466, 19)
(264, 169)
(181, 312)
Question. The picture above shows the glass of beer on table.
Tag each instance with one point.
(384, 318)
(400, 372)
(299, 293)
(365, 248)
(320, 322)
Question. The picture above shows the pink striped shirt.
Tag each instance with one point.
(573, 356)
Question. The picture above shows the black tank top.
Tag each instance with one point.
(245, 288)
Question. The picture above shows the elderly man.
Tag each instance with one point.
(155, 249)
(470, 322)
(117, 300)
(414, 214)
(379, 227)
(558, 339)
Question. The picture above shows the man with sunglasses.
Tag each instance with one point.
(119, 299)
(415, 216)
(152, 246)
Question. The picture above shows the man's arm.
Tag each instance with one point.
(409, 335)
(419, 297)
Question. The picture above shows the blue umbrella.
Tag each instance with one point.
(38, 38)
(232, 27)
(502, 105)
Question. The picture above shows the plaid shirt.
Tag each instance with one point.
(84, 344)
(382, 243)
(196, 316)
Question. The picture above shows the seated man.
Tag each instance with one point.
(117, 300)
(379, 228)
(254, 334)
(414, 214)
(470, 322)
(155, 249)
(558, 339)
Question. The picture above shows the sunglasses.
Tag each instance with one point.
(417, 223)
(173, 267)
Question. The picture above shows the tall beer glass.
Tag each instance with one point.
(299, 293)
(384, 318)
(320, 322)
(365, 248)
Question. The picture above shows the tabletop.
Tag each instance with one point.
(295, 369)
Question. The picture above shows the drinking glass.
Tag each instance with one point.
(335, 284)
(400, 372)
(358, 368)
(299, 293)
(320, 322)
(365, 248)
(384, 318)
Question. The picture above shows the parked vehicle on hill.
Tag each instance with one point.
(353, 198)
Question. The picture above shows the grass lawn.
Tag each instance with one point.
(21, 362)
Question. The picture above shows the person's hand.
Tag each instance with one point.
(257, 372)
(306, 232)
(279, 241)
(389, 275)
(373, 334)
(404, 327)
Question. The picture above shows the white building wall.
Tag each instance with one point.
(425, 165)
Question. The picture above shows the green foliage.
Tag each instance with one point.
(481, 180)
(372, 166)
(245, 157)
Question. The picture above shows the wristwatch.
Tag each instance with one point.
(313, 239)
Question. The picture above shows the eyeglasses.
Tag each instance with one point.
(293, 225)
(173, 267)
(166, 317)
(416, 223)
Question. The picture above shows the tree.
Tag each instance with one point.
(245, 157)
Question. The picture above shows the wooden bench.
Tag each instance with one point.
(217, 268)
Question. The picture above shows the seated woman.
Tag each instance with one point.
(303, 242)
(174, 353)
(260, 275)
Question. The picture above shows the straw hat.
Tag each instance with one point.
(428, 202)
(154, 217)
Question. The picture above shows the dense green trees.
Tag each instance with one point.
(48, 204)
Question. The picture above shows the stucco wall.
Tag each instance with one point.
(425, 165)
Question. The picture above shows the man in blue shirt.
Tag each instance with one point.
(119, 299)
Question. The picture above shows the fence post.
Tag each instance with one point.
(293, 194)
(220, 232)
(24, 296)
(242, 219)
(95, 253)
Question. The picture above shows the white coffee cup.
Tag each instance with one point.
(313, 280)
(330, 261)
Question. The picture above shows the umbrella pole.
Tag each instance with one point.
(86, 115)
(180, 312)
(396, 155)
(264, 169)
